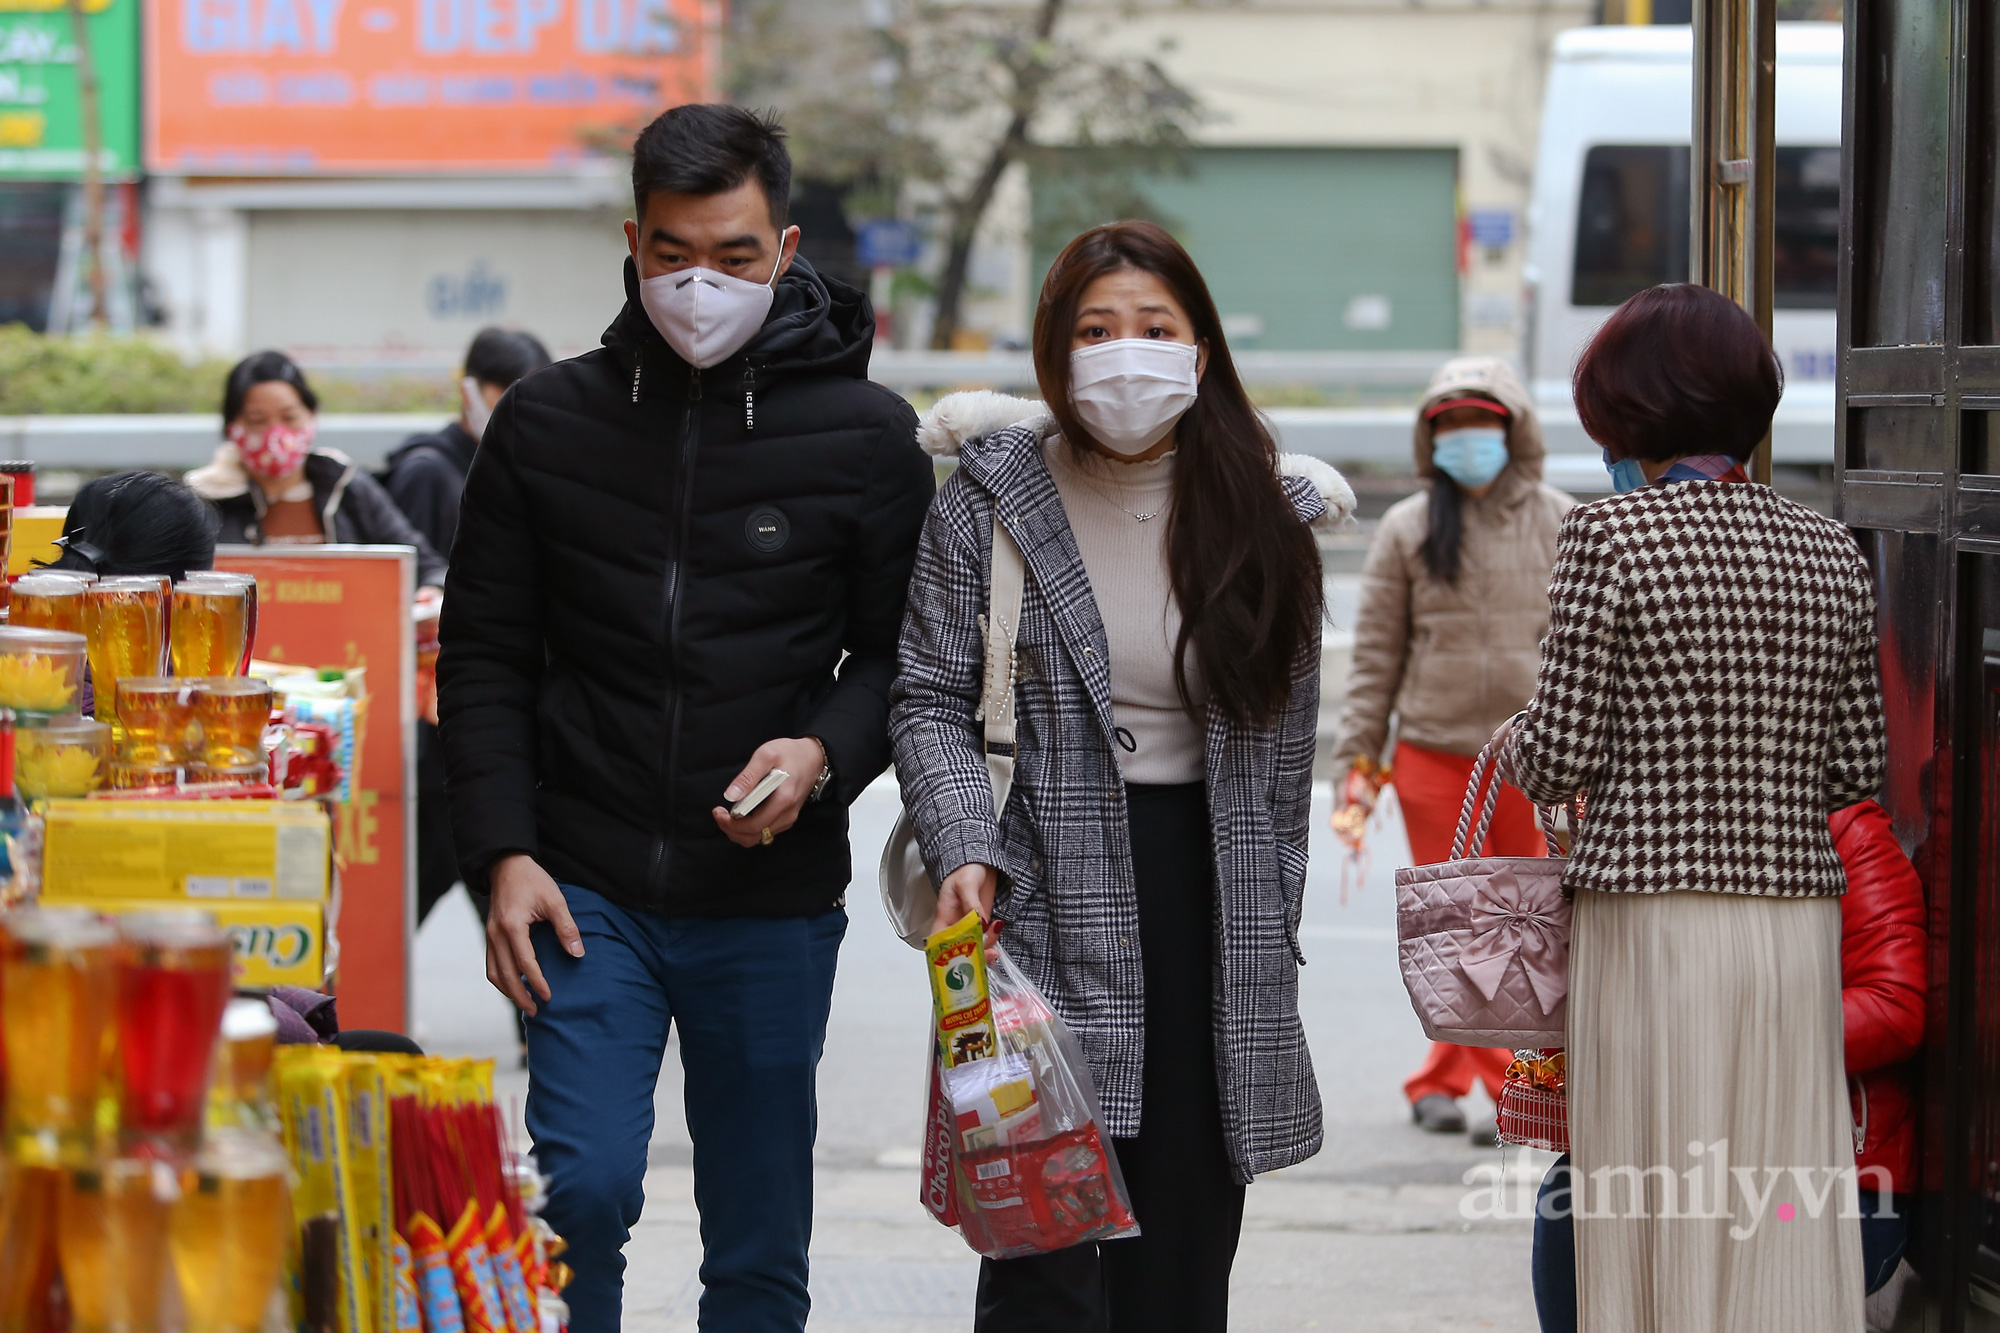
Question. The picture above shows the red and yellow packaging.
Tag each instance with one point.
(508, 1273)
(437, 1292)
(472, 1269)
(407, 1316)
(1046, 1195)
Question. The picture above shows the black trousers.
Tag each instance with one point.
(1175, 1275)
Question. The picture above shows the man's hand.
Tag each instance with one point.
(523, 894)
(803, 759)
(970, 888)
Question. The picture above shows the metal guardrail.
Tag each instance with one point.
(1802, 432)
(1342, 370)
(1015, 369)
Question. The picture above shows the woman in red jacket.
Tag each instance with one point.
(1884, 976)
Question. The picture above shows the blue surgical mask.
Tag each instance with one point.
(1626, 474)
(1472, 456)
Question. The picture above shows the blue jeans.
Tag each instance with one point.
(750, 996)
(1553, 1267)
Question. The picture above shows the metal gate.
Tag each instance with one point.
(1919, 450)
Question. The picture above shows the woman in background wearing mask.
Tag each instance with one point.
(272, 487)
(1454, 604)
(1151, 855)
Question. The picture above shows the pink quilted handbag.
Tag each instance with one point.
(1484, 940)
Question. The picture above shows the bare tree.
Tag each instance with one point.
(93, 168)
(948, 96)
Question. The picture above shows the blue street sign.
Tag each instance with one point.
(1492, 228)
(887, 243)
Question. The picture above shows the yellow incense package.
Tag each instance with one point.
(960, 997)
(312, 1093)
(374, 1197)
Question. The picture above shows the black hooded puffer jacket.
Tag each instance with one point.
(657, 570)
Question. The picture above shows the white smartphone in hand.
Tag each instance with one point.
(760, 793)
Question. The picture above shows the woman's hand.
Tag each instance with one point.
(970, 888)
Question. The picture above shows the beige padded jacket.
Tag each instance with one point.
(1455, 661)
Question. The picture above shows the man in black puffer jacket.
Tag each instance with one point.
(665, 548)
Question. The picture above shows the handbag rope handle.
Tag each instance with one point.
(1465, 841)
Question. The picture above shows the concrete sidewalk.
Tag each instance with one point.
(1368, 1235)
(1315, 1255)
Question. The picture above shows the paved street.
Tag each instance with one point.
(1371, 1234)
(1368, 1235)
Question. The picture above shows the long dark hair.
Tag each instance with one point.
(1244, 568)
(1447, 526)
(137, 523)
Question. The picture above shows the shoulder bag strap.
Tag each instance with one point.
(1002, 625)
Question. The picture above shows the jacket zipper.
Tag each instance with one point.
(676, 559)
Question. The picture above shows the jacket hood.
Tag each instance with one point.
(1493, 378)
(817, 326)
(451, 437)
(224, 478)
(959, 420)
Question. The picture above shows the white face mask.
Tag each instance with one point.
(707, 316)
(477, 413)
(1129, 392)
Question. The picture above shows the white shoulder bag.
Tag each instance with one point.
(908, 895)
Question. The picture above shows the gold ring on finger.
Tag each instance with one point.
(766, 838)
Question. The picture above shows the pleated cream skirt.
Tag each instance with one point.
(1712, 1150)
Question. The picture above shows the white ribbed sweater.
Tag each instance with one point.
(1126, 560)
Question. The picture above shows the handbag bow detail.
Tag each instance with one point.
(1506, 927)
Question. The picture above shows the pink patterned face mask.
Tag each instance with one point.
(275, 452)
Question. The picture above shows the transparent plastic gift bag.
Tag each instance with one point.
(1014, 1151)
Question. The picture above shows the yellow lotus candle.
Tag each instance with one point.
(64, 758)
(40, 669)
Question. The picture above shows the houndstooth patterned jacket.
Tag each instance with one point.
(1067, 891)
(1709, 677)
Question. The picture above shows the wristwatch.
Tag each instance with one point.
(825, 770)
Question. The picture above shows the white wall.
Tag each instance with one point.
(416, 285)
(385, 272)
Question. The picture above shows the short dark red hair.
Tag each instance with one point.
(1678, 369)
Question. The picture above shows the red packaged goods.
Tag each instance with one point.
(1534, 1102)
(1013, 1152)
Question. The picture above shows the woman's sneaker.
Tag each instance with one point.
(1438, 1113)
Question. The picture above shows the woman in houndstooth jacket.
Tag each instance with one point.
(1709, 679)
(1150, 860)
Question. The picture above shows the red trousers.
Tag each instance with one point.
(1430, 788)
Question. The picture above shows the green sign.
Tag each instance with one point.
(41, 112)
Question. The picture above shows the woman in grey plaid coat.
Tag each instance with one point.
(1151, 856)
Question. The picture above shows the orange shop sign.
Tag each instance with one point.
(274, 87)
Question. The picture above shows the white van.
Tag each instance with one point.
(1610, 210)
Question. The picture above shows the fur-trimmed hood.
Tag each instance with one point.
(959, 418)
(224, 477)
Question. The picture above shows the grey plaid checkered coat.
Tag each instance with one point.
(1709, 677)
(1062, 843)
